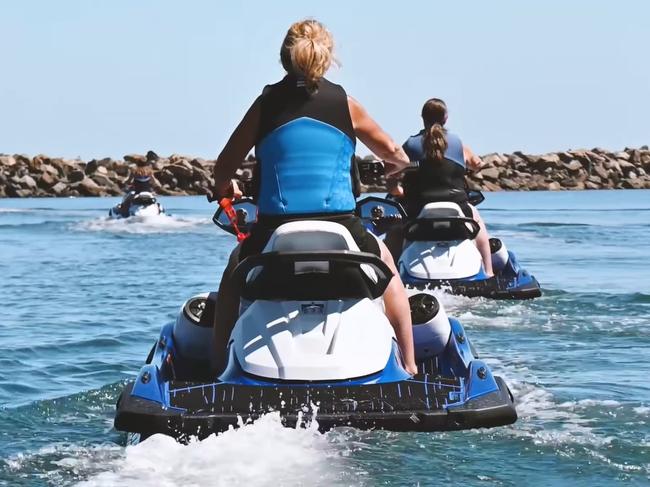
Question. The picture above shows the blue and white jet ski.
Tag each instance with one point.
(439, 251)
(312, 342)
(141, 204)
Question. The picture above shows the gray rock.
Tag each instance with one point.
(573, 166)
(87, 187)
(7, 161)
(181, 171)
(59, 188)
(27, 182)
(490, 173)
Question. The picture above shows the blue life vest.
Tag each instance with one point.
(414, 148)
(305, 150)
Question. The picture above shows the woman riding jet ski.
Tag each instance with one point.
(310, 309)
(139, 199)
(311, 341)
(447, 244)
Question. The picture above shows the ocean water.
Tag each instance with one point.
(82, 299)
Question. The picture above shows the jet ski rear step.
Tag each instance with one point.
(423, 403)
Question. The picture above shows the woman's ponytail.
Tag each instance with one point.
(434, 116)
(435, 142)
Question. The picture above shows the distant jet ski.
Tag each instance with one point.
(137, 204)
(312, 339)
(439, 252)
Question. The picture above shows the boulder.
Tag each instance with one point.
(490, 173)
(76, 176)
(601, 172)
(121, 170)
(7, 161)
(488, 186)
(633, 184)
(573, 166)
(87, 187)
(134, 158)
(50, 169)
(553, 186)
(46, 181)
(91, 167)
(182, 171)
(27, 182)
(59, 188)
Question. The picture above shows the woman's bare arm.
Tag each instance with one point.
(237, 148)
(473, 161)
(378, 141)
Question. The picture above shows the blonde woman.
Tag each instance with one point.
(304, 130)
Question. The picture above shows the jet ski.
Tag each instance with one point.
(439, 252)
(311, 343)
(137, 204)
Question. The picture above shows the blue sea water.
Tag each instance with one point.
(82, 299)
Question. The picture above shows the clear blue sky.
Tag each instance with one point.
(106, 78)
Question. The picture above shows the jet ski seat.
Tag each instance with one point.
(335, 272)
(444, 209)
(441, 221)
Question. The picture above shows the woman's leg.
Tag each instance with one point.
(226, 312)
(483, 242)
(398, 312)
(394, 239)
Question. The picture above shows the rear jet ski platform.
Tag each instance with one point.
(312, 342)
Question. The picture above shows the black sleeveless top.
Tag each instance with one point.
(289, 100)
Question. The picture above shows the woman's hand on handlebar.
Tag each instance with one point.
(230, 191)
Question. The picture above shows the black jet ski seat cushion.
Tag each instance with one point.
(442, 221)
(312, 260)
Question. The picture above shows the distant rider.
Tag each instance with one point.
(442, 161)
(140, 181)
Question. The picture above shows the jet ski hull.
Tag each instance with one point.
(511, 282)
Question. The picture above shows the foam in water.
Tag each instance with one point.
(141, 224)
(264, 453)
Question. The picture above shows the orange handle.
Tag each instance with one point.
(226, 204)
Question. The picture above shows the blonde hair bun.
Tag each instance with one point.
(307, 51)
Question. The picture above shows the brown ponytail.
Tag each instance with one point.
(434, 115)
(307, 52)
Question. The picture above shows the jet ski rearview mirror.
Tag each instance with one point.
(236, 218)
(475, 197)
(379, 214)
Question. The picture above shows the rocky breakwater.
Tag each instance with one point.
(572, 170)
(22, 176)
